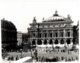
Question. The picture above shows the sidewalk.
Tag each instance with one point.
(6, 61)
(23, 60)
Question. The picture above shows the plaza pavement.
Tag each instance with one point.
(52, 54)
(22, 60)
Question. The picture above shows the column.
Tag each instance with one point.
(36, 34)
(53, 43)
(52, 34)
(47, 33)
(58, 33)
(71, 41)
(30, 34)
(71, 33)
(65, 42)
(47, 41)
(42, 35)
(58, 41)
(30, 41)
(64, 33)
(36, 42)
(42, 41)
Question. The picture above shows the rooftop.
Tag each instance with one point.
(57, 17)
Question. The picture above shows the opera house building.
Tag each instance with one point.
(51, 32)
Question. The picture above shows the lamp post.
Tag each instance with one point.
(30, 44)
(31, 50)
(35, 53)
(21, 52)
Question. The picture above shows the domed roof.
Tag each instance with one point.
(55, 17)
(7, 25)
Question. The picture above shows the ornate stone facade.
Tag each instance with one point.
(53, 31)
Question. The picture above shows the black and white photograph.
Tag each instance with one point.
(39, 31)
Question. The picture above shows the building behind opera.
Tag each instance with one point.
(8, 35)
(51, 32)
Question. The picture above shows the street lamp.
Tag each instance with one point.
(21, 52)
(31, 50)
(30, 44)
(35, 53)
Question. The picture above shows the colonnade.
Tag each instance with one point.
(52, 33)
(52, 37)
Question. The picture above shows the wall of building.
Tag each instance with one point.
(9, 35)
(55, 30)
(19, 38)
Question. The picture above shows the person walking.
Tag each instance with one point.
(17, 57)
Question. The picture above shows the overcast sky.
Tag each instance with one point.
(21, 12)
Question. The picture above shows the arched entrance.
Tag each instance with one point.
(56, 41)
(56, 34)
(68, 41)
(45, 42)
(50, 42)
(62, 41)
(33, 42)
(39, 42)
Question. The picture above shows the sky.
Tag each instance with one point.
(21, 12)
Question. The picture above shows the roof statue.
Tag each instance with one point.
(43, 18)
(3, 19)
(34, 20)
(56, 13)
(55, 17)
(68, 16)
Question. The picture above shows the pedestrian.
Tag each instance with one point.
(17, 57)
(12, 58)
(76, 58)
(62, 58)
(8, 58)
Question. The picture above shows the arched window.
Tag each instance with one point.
(45, 41)
(50, 42)
(62, 41)
(56, 34)
(68, 41)
(61, 34)
(68, 34)
(39, 42)
(33, 34)
(40, 35)
(45, 34)
(33, 42)
(50, 34)
(56, 41)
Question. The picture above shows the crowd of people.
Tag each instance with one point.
(12, 58)
(56, 59)
(68, 57)
(38, 56)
